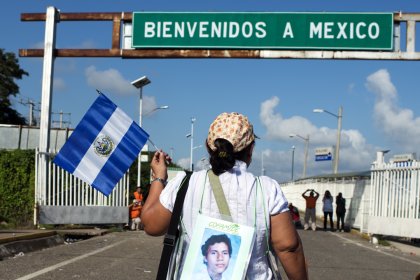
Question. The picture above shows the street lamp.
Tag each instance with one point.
(172, 152)
(306, 150)
(339, 117)
(139, 84)
(293, 161)
(157, 108)
(191, 136)
(262, 164)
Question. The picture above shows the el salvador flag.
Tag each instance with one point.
(103, 146)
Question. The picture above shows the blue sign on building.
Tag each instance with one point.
(323, 157)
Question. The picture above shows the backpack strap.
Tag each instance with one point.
(173, 232)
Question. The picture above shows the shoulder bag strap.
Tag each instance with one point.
(219, 195)
(173, 232)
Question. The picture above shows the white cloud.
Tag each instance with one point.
(276, 164)
(279, 128)
(350, 87)
(109, 80)
(38, 45)
(353, 147)
(88, 44)
(59, 84)
(399, 125)
(65, 66)
(203, 163)
(184, 163)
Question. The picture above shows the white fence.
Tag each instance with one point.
(68, 200)
(387, 202)
(396, 207)
(27, 137)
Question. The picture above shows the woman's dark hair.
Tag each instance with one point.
(222, 238)
(327, 194)
(223, 158)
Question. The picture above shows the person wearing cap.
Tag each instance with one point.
(230, 143)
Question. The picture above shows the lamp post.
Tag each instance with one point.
(191, 136)
(262, 164)
(293, 161)
(139, 84)
(339, 117)
(306, 139)
(157, 108)
(172, 152)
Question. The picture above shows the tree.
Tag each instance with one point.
(9, 71)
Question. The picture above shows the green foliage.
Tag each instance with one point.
(9, 71)
(17, 187)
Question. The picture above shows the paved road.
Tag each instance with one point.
(134, 255)
(334, 255)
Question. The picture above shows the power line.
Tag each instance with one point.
(32, 107)
(61, 122)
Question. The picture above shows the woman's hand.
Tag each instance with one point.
(154, 216)
(159, 165)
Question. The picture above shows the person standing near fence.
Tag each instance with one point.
(327, 208)
(340, 210)
(135, 213)
(138, 195)
(310, 208)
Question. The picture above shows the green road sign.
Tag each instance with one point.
(330, 31)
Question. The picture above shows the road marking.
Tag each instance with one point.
(48, 269)
(375, 250)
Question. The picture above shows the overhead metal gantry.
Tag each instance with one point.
(402, 21)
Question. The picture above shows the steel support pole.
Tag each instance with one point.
(141, 125)
(337, 146)
(293, 161)
(192, 144)
(306, 155)
(45, 120)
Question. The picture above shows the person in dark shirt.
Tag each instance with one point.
(340, 210)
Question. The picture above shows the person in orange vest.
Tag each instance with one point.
(135, 212)
(138, 195)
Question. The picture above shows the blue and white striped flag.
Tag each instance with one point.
(103, 146)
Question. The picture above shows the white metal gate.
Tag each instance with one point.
(395, 207)
(65, 199)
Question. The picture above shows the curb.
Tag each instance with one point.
(25, 245)
(17, 236)
(15, 243)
